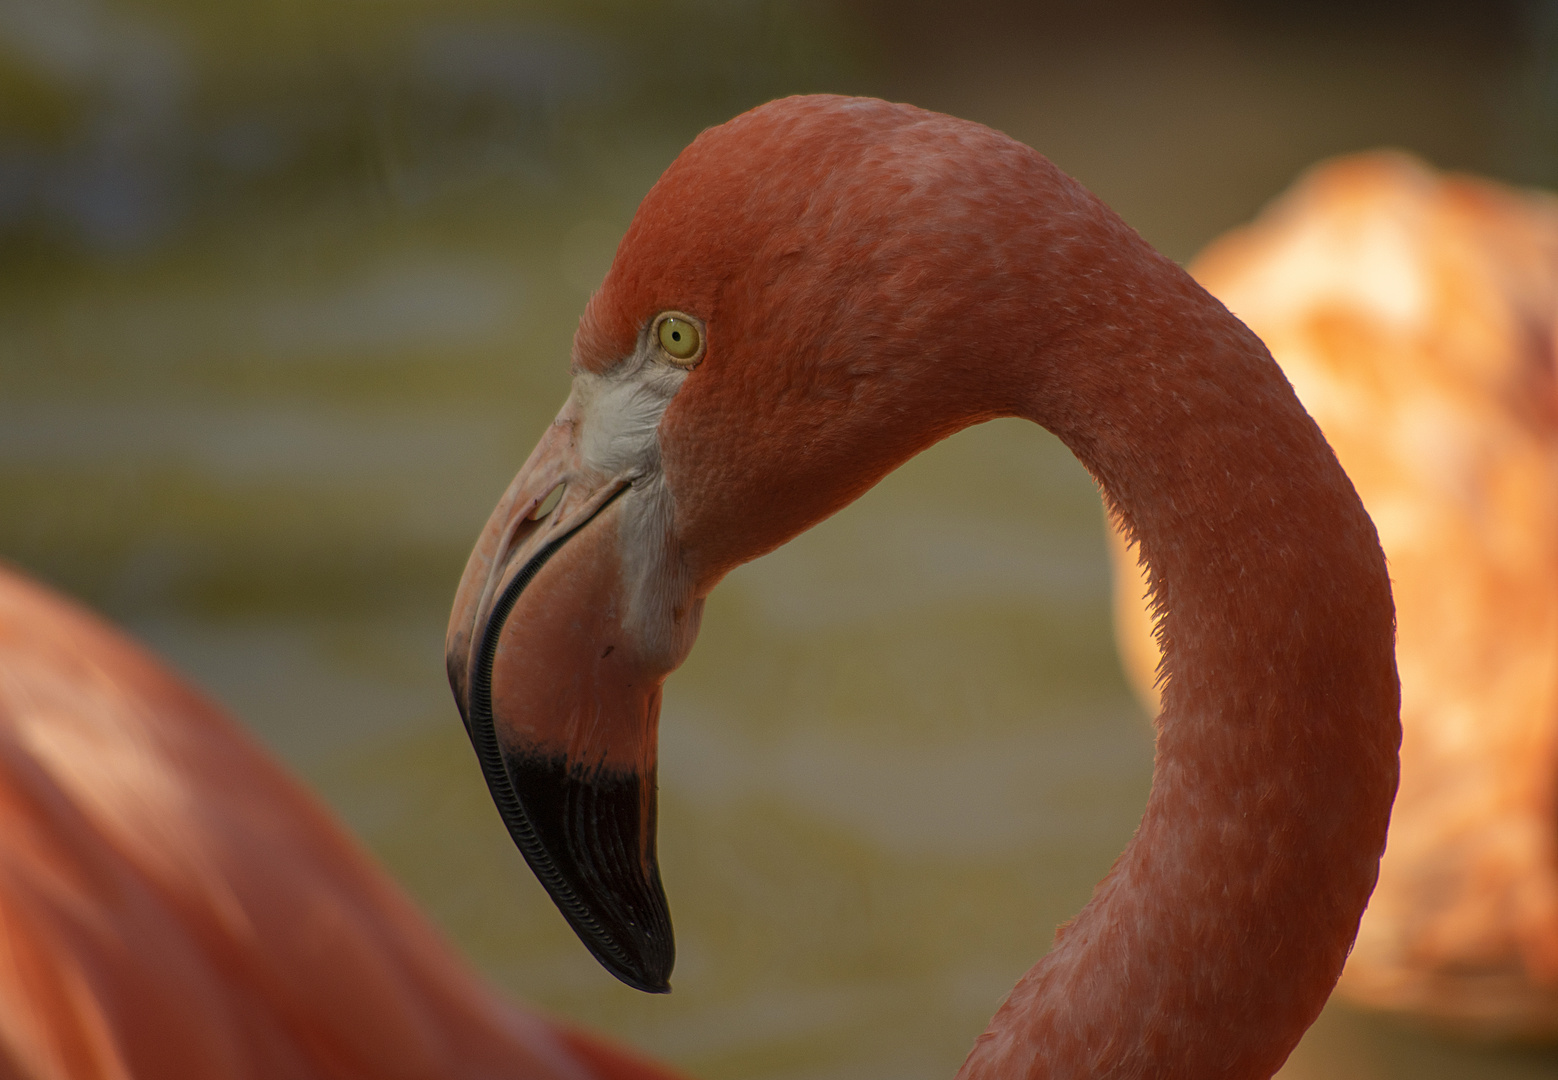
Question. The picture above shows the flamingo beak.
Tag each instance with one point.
(561, 699)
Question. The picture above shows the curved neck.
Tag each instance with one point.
(1219, 933)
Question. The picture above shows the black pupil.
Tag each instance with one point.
(676, 335)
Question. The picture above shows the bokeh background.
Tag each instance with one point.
(286, 294)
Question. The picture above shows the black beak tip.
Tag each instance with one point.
(618, 911)
(589, 837)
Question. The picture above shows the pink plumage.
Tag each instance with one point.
(173, 904)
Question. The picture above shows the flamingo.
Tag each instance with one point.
(812, 293)
(174, 905)
(1417, 316)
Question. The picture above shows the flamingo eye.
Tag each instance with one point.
(679, 337)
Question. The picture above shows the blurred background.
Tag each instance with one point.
(286, 295)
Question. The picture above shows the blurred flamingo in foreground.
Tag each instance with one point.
(1417, 317)
(174, 905)
(810, 295)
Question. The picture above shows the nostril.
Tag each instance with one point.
(548, 504)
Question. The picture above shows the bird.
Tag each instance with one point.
(1416, 314)
(173, 904)
(812, 293)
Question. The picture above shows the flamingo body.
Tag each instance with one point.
(1417, 315)
(173, 904)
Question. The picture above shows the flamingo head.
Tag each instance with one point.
(803, 301)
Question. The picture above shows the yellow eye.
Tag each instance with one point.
(678, 335)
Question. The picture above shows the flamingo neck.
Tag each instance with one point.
(1216, 938)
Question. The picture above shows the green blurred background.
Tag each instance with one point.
(287, 294)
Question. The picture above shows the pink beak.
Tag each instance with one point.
(562, 704)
